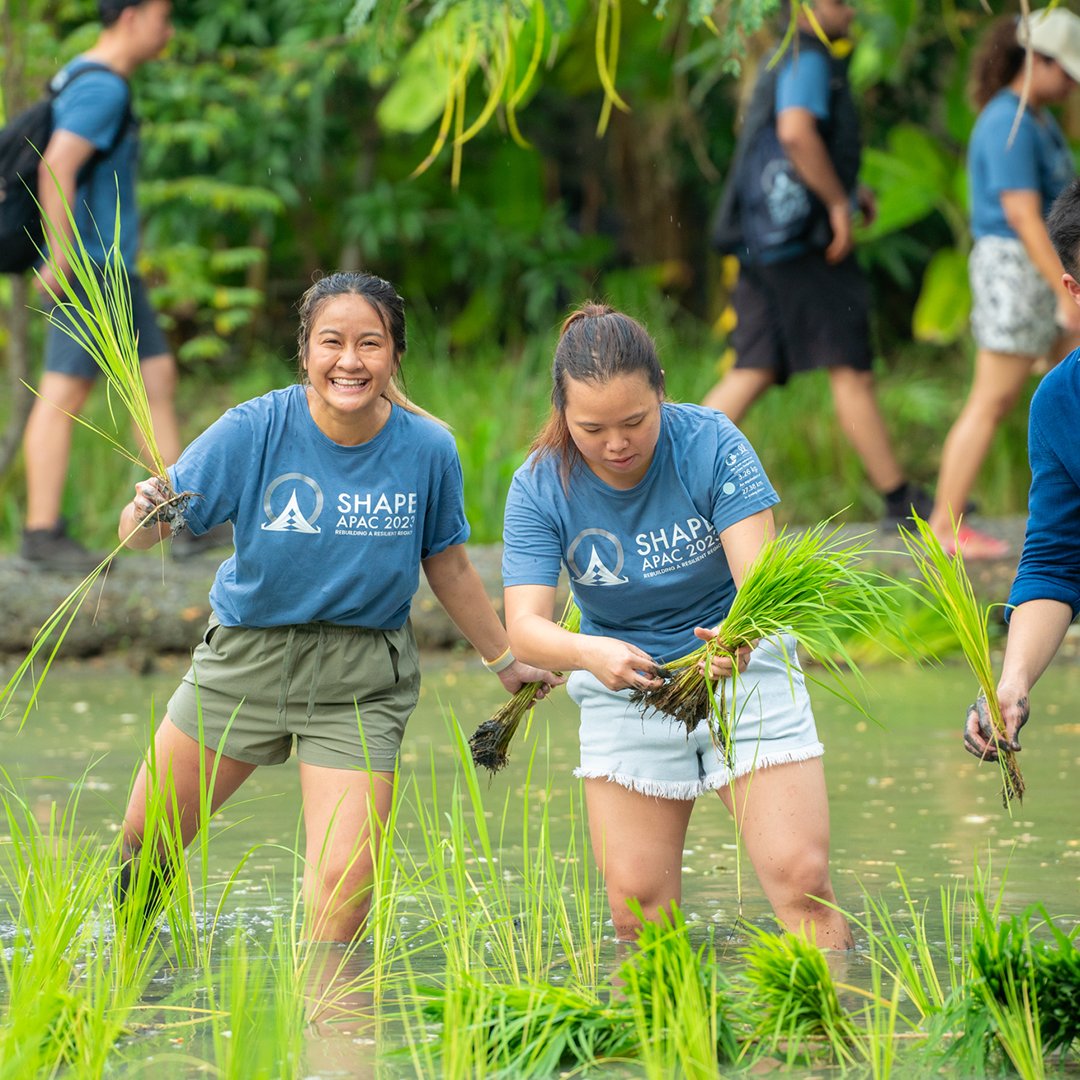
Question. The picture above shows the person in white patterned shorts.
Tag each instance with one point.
(1018, 162)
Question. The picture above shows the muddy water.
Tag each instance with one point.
(904, 795)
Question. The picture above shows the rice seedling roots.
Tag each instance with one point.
(490, 742)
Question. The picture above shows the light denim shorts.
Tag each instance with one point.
(650, 753)
(1013, 310)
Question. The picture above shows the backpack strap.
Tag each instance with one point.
(57, 86)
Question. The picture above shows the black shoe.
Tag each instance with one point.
(185, 545)
(53, 550)
(913, 497)
(150, 894)
(901, 504)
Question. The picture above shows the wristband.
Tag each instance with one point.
(501, 662)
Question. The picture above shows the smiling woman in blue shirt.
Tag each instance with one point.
(340, 490)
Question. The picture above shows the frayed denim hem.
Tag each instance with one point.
(657, 789)
(715, 781)
(686, 790)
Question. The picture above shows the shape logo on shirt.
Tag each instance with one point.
(295, 509)
(605, 559)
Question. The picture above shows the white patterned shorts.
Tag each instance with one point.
(1013, 309)
(652, 754)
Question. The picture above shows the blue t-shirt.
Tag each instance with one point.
(93, 107)
(803, 83)
(1050, 564)
(1037, 159)
(323, 532)
(646, 565)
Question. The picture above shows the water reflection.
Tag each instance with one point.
(906, 801)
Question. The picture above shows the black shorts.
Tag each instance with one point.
(802, 314)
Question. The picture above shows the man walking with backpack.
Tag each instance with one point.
(92, 153)
(801, 301)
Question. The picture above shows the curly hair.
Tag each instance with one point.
(997, 61)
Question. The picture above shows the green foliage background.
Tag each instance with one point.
(280, 139)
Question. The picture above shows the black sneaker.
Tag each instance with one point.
(185, 545)
(55, 551)
(915, 497)
(900, 505)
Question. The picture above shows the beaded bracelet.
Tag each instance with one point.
(501, 662)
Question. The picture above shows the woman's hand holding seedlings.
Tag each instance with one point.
(150, 496)
(722, 665)
(620, 665)
(979, 736)
(518, 674)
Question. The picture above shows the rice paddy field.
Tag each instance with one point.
(489, 951)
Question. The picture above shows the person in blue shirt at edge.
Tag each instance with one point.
(93, 155)
(1045, 595)
(339, 490)
(657, 510)
(1018, 161)
(801, 301)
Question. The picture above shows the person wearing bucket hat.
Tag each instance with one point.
(1018, 162)
(1053, 33)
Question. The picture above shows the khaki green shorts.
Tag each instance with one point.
(344, 692)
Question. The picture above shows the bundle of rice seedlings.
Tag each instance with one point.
(491, 740)
(793, 998)
(947, 588)
(93, 307)
(534, 1029)
(811, 585)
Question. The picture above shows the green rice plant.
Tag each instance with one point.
(491, 740)
(907, 955)
(667, 1006)
(486, 918)
(679, 1000)
(946, 587)
(92, 305)
(66, 1004)
(528, 1030)
(877, 1041)
(809, 584)
(257, 1008)
(1025, 989)
(914, 624)
(792, 1000)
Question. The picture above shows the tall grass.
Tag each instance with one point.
(485, 954)
(947, 589)
(93, 306)
(68, 996)
(795, 1005)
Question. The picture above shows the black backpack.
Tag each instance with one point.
(765, 209)
(22, 142)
